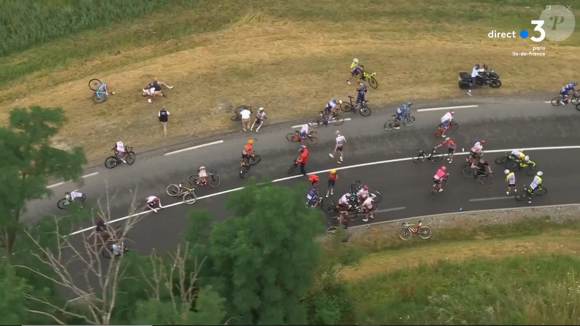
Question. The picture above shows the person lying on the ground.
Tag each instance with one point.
(154, 88)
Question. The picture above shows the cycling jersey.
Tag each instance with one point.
(518, 154)
(439, 174)
(312, 195)
(368, 203)
(151, 199)
(343, 200)
(363, 193)
(330, 105)
(120, 147)
(202, 173)
(260, 116)
(304, 130)
(450, 144)
(511, 178)
(535, 183)
(247, 149)
(362, 90)
(477, 147)
(402, 109)
(446, 117)
(75, 194)
(340, 140)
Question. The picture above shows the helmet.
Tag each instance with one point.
(506, 171)
(482, 141)
(337, 132)
(443, 168)
(447, 138)
(202, 167)
(250, 141)
(527, 158)
(540, 173)
(366, 187)
(452, 112)
(355, 60)
(409, 103)
(333, 101)
(333, 171)
(261, 109)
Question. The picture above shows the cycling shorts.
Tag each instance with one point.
(360, 97)
(437, 181)
(444, 124)
(473, 154)
(450, 149)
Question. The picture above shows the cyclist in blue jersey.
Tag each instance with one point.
(566, 89)
(401, 111)
(360, 92)
(312, 197)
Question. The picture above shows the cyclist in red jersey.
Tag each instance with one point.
(451, 147)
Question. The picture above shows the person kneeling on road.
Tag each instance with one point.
(152, 201)
(312, 197)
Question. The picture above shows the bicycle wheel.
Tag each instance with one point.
(501, 160)
(189, 198)
(172, 190)
(130, 159)
(541, 192)
(346, 107)
(376, 196)
(578, 107)
(512, 166)
(453, 128)
(405, 234)
(95, 84)
(99, 99)
(255, 160)
(556, 101)
(193, 180)
(419, 158)
(244, 170)
(63, 203)
(311, 140)
(433, 192)
(331, 232)
(486, 180)
(410, 121)
(213, 180)
(110, 162)
(364, 111)
(373, 82)
(389, 125)
(436, 157)
(424, 232)
(337, 120)
(334, 221)
(530, 171)
(467, 171)
(236, 117)
(292, 168)
(292, 137)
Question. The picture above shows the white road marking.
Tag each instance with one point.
(55, 185)
(89, 175)
(330, 122)
(194, 147)
(324, 171)
(390, 210)
(548, 102)
(492, 198)
(448, 108)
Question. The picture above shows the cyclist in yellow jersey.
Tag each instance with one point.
(510, 178)
(355, 69)
(518, 154)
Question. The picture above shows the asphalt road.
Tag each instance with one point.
(505, 124)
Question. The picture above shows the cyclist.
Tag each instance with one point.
(451, 147)
(332, 177)
(525, 162)
(535, 185)
(482, 168)
(313, 179)
(355, 69)
(312, 197)
(329, 109)
(151, 201)
(202, 176)
(517, 154)
(304, 130)
(118, 250)
(438, 177)
(362, 194)
(76, 194)
(119, 148)
(260, 116)
(445, 122)
(401, 112)
(360, 92)
(367, 207)
(566, 89)
(510, 178)
(476, 151)
(340, 141)
(344, 205)
(248, 151)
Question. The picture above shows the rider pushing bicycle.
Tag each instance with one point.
(360, 92)
(401, 112)
(330, 109)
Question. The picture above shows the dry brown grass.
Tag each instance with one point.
(289, 68)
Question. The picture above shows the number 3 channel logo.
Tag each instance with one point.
(559, 24)
(538, 28)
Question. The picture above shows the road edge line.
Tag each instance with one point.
(194, 147)
(448, 108)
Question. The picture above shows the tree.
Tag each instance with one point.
(12, 301)
(262, 258)
(27, 161)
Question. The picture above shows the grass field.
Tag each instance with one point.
(523, 273)
(289, 57)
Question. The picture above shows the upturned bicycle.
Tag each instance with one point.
(361, 107)
(308, 139)
(100, 90)
(435, 189)
(176, 190)
(410, 230)
(370, 77)
(434, 157)
(245, 164)
(114, 160)
(213, 179)
(407, 120)
(453, 126)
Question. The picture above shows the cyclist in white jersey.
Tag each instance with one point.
(367, 207)
(445, 121)
(475, 151)
(363, 194)
(151, 201)
(340, 141)
(76, 194)
(304, 130)
(510, 178)
(535, 185)
(119, 148)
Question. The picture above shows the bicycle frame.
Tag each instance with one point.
(100, 92)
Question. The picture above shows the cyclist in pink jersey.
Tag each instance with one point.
(438, 177)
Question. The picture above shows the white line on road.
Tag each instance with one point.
(89, 175)
(324, 171)
(548, 102)
(491, 198)
(61, 183)
(389, 210)
(194, 147)
(330, 122)
(448, 108)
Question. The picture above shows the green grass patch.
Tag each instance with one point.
(540, 289)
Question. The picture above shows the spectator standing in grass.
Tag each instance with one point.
(474, 76)
(163, 116)
(245, 113)
(260, 116)
(332, 177)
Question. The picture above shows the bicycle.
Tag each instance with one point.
(319, 203)
(453, 126)
(374, 194)
(189, 196)
(334, 223)
(540, 191)
(484, 179)
(574, 99)
(237, 112)
(100, 90)
(354, 211)
(518, 166)
(333, 118)
(114, 160)
(308, 139)
(213, 179)
(409, 230)
(407, 120)
(370, 77)
(434, 157)
(505, 159)
(247, 163)
(362, 108)
(435, 188)
(64, 202)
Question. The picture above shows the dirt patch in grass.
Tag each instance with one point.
(289, 66)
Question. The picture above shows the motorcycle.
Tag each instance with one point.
(488, 77)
